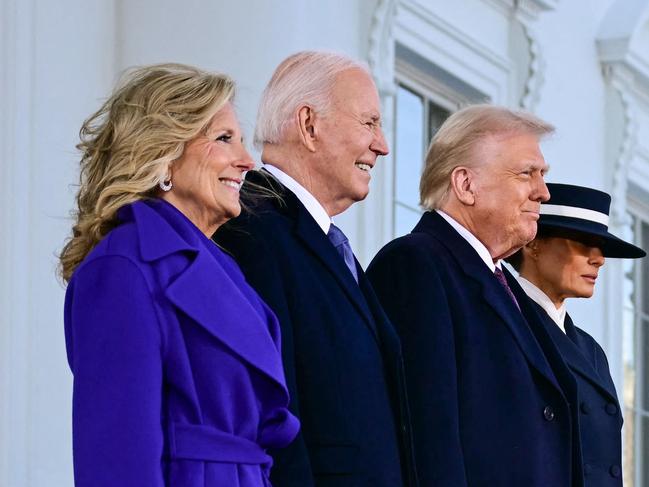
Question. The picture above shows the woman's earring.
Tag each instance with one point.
(165, 185)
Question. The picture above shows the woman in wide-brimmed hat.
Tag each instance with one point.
(563, 261)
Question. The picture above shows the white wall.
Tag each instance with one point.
(57, 61)
(61, 58)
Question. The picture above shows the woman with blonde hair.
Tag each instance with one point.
(177, 368)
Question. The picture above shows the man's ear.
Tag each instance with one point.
(307, 127)
(463, 186)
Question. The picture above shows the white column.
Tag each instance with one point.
(58, 61)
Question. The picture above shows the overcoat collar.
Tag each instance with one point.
(575, 355)
(203, 290)
(307, 230)
(493, 293)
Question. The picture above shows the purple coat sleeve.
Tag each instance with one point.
(114, 348)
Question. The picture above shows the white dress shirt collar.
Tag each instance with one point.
(477, 245)
(540, 298)
(312, 205)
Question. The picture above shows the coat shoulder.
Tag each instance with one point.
(594, 349)
(413, 249)
(122, 241)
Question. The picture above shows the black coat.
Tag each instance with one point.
(600, 417)
(341, 355)
(487, 408)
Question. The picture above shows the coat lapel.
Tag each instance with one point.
(575, 356)
(204, 291)
(493, 293)
(311, 235)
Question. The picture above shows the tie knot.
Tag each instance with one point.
(336, 236)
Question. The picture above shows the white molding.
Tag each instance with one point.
(17, 56)
(533, 8)
(626, 75)
(505, 7)
(453, 34)
(526, 13)
(375, 215)
(381, 47)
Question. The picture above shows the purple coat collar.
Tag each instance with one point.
(210, 289)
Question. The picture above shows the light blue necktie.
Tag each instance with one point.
(339, 240)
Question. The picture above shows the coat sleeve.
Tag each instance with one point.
(114, 349)
(413, 295)
(292, 467)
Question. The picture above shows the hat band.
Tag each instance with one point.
(575, 212)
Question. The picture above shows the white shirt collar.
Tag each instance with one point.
(312, 205)
(540, 298)
(477, 245)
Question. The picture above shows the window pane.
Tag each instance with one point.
(644, 265)
(643, 364)
(642, 463)
(628, 356)
(436, 117)
(409, 156)
(628, 457)
(405, 220)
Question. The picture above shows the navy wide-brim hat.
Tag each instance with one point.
(581, 211)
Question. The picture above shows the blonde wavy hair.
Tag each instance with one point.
(128, 145)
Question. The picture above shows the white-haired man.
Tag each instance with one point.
(319, 124)
(490, 396)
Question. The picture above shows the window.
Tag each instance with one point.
(426, 96)
(636, 354)
(417, 120)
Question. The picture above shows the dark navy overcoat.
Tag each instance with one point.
(342, 356)
(600, 416)
(488, 409)
(178, 379)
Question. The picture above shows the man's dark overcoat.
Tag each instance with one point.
(488, 408)
(341, 355)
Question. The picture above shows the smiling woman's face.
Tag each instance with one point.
(563, 268)
(207, 177)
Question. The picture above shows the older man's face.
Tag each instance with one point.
(509, 189)
(351, 139)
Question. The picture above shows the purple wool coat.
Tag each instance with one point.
(178, 379)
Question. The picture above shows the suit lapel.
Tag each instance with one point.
(204, 291)
(492, 291)
(311, 235)
(575, 356)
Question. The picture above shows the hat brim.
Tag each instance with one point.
(609, 244)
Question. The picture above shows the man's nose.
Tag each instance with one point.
(380, 144)
(541, 193)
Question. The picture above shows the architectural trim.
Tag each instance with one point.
(17, 25)
(375, 217)
(526, 12)
(423, 12)
(626, 76)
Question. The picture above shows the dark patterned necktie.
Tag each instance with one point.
(500, 275)
(339, 240)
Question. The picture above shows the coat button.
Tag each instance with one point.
(548, 413)
(615, 471)
(588, 469)
(585, 408)
(611, 409)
